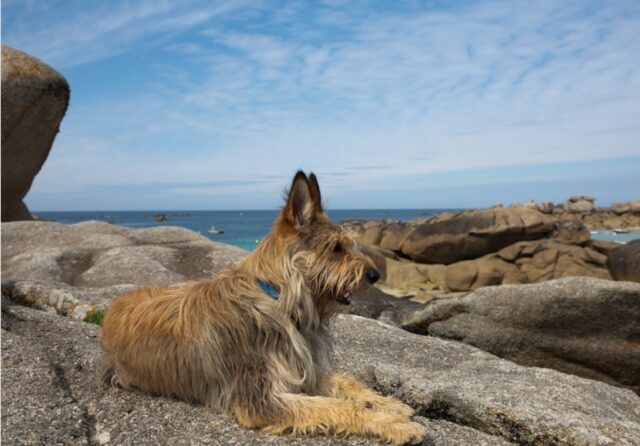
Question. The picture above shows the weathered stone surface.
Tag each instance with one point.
(631, 206)
(471, 234)
(523, 405)
(580, 204)
(34, 101)
(469, 397)
(375, 304)
(388, 235)
(624, 262)
(620, 208)
(572, 232)
(60, 267)
(584, 326)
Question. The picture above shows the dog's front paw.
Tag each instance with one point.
(404, 433)
(392, 404)
(389, 404)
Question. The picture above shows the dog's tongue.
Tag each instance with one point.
(344, 297)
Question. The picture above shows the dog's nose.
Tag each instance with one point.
(372, 276)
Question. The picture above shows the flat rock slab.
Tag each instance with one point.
(469, 397)
(50, 396)
(584, 326)
(448, 380)
(69, 267)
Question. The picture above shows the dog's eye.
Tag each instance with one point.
(337, 247)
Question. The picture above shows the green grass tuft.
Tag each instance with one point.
(94, 317)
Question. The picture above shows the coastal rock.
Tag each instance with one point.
(582, 326)
(387, 235)
(468, 396)
(572, 232)
(620, 208)
(631, 206)
(527, 262)
(61, 267)
(624, 262)
(34, 100)
(580, 204)
(546, 207)
(471, 234)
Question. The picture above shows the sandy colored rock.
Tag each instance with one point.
(583, 326)
(580, 204)
(471, 234)
(34, 100)
(461, 275)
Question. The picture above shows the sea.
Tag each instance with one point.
(246, 228)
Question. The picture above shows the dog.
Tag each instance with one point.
(253, 340)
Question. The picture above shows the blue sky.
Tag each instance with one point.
(419, 104)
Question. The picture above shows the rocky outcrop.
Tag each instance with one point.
(72, 268)
(624, 262)
(452, 237)
(463, 395)
(527, 262)
(581, 204)
(520, 263)
(584, 326)
(629, 207)
(463, 251)
(34, 101)
(471, 234)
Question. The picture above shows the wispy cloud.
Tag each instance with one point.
(230, 90)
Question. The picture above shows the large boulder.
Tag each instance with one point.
(387, 235)
(463, 395)
(580, 204)
(34, 101)
(631, 206)
(624, 262)
(584, 326)
(69, 268)
(568, 254)
(528, 262)
(471, 234)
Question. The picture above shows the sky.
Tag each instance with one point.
(198, 104)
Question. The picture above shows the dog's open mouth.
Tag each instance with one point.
(344, 297)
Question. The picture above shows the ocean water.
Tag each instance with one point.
(246, 228)
(241, 228)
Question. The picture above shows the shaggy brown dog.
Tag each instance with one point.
(253, 340)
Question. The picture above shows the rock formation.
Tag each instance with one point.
(624, 262)
(584, 326)
(73, 268)
(463, 395)
(34, 101)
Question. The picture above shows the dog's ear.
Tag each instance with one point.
(300, 209)
(314, 187)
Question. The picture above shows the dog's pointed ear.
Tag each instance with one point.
(300, 209)
(314, 187)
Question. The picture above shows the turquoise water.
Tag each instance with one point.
(244, 228)
(612, 236)
(241, 228)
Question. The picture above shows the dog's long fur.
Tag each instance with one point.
(224, 343)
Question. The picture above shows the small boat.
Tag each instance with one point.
(621, 231)
(214, 230)
(595, 232)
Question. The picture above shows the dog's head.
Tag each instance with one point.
(325, 254)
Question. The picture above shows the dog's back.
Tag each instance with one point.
(213, 342)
